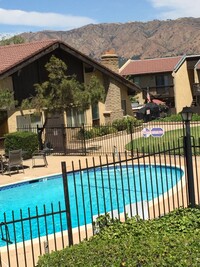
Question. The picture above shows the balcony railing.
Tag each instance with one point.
(160, 91)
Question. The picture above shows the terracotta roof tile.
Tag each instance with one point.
(145, 66)
(12, 55)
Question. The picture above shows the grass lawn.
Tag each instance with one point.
(173, 138)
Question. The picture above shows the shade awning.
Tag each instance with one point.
(158, 102)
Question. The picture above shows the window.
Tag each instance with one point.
(95, 114)
(162, 80)
(136, 80)
(162, 84)
(123, 104)
(75, 118)
(36, 120)
(95, 111)
(28, 122)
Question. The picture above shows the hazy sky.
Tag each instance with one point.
(36, 15)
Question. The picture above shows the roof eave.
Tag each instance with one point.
(56, 44)
(29, 59)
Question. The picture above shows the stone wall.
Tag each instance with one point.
(113, 108)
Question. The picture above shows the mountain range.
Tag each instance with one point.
(136, 40)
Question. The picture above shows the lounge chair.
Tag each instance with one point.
(41, 156)
(14, 160)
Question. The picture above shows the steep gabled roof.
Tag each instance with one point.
(148, 66)
(14, 57)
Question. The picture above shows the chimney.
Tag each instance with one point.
(110, 60)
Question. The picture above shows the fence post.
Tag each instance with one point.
(186, 114)
(84, 143)
(131, 127)
(64, 138)
(39, 134)
(46, 247)
(67, 203)
(189, 167)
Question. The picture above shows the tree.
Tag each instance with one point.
(7, 102)
(13, 40)
(7, 99)
(62, 93)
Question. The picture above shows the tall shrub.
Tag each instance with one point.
(27, 141)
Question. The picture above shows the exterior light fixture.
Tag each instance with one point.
(186, 114)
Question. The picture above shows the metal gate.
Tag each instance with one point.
(105, 140)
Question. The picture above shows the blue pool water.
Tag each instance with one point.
(107, 189)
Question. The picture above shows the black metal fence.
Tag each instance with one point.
(106, 139)
(24, 237)
(146, 184)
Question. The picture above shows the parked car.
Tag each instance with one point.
(148, 112)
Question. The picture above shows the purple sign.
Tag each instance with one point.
(157, 132)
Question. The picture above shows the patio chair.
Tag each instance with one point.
(39, 155)
(1, 164)
(14, 160)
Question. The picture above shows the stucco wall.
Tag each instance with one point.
(139, 98)
(12, 121)
(182, 90)
(6, 83)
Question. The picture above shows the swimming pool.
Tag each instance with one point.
(98, 190)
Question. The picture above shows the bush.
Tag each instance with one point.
(127, 123)
(177, 118)
(95, 132)
(196, 117)
(120, 124)
(85, 134)
(172, 240)
(27, 141)
(103, 130)
(171, 118)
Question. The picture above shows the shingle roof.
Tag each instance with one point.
(12, 55)
(157, 65)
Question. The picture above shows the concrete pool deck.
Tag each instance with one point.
(54, 167)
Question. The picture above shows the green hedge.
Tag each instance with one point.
(27, 141)
(127, 123)
(96, 132)
(172, 240)
(177, 117)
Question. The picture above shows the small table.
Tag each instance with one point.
(39, 155)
